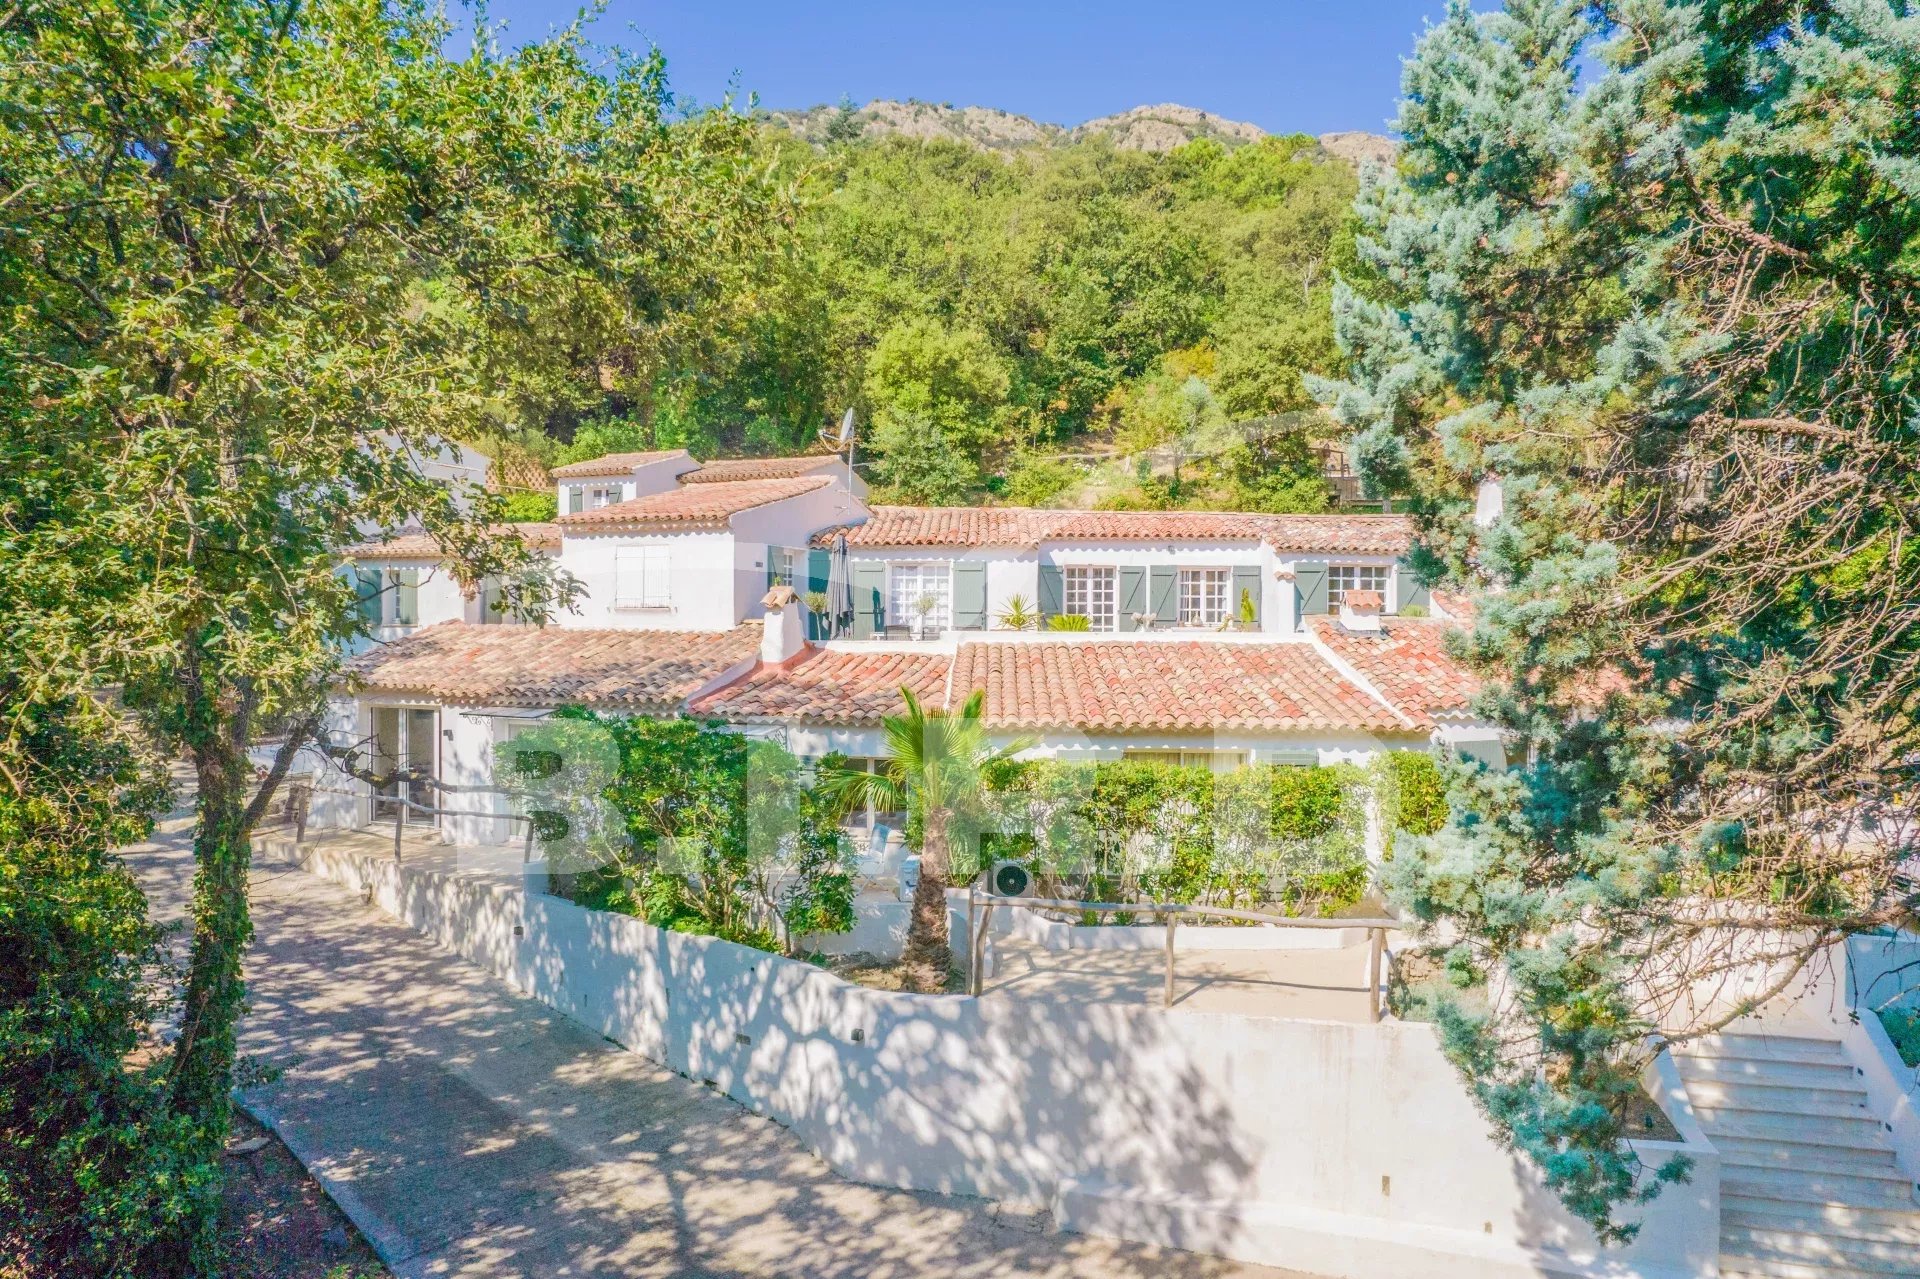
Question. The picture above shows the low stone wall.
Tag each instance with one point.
(1335, 1148)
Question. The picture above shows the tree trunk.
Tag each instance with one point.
(928, 957)
(201, 1074)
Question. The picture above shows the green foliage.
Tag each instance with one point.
(714, 833)
(257, 262)
(935, 771)
(1903, 1028)
(1035, 481)
(1653, 266)
(1412, 794)
(1069, 622)
(94, 1171)
(529, 508)
(1018, 614)
(1292, 839)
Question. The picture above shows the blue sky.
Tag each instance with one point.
(1308, 65)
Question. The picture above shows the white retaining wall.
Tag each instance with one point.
(1339, 1149)
(1029, 925)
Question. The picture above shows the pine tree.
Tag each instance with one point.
(1654, 265)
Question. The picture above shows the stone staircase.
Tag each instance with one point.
(1808, 1184)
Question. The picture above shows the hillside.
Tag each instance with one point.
(1146, 128)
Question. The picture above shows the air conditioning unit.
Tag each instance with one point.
(1010, 879)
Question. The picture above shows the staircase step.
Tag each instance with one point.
(1880, 1225)
(1792, 1048)
(1737, 1267)
(1844, 1129)
(1863, 1189)
(1762, 1152)
(1802, 1248)
(1765, 1070)
(1779, 1099)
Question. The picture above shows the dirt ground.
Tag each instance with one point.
(279, 1224)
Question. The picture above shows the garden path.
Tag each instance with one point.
(470, 1131)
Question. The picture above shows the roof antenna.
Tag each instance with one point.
(841, 439)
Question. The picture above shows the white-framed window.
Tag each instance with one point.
(1092, 593)
(641, 577)
(591, 497)
(780, 566)
(1342, 578)
(401, 605)
(1218, 761)
(1204, 595)
(909, 586)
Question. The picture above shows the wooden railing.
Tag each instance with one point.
(1169, 913)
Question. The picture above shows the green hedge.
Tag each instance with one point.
(1259, 835)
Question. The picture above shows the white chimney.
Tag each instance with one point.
(784, 628)
(1490, 503)
(1360, 610)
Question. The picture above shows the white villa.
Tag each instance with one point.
(1223, 638)
(770, 596)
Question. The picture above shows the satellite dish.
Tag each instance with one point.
(838, 440)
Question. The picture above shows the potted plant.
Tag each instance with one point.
(923, 607)
(1249, 615)
(1017, 615)
(1069, 622)
(817, 604)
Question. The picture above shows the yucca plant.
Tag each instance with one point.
(1017, 614)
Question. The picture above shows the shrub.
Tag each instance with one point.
(1069, 622)
(529, 508)
(1903, 1028)
(686, 825)
(1291, 838)
(1412, 792)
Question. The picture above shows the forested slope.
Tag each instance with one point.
(999, 318)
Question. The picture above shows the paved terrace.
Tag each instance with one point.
(472, 1132)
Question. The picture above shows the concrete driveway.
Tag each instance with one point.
(469, 1131)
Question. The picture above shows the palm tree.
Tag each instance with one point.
(935, 764)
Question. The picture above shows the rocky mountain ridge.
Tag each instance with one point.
(1146, 128)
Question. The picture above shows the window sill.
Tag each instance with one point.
(643, 608)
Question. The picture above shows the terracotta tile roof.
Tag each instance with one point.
(1454, 605)
(1183, 686)
(691, 506)
(757, 468)
(1407, 661)
(1024, 528)
(832, 686)
(424, 546)
(614, 464)
(1334, 534)
(507, 665)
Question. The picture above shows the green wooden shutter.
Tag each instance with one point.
(576, 499)
(1164, 594)
(970, 597)
(1413, 591)
(1309, 590)
(406, 597)
(1053, 592)
(366, 589)
(1246, 580)
(819, 565)
(869, 599)
(1133, 596)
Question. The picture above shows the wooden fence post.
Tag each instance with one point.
(1173, 920)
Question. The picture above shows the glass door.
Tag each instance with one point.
(404, 738)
